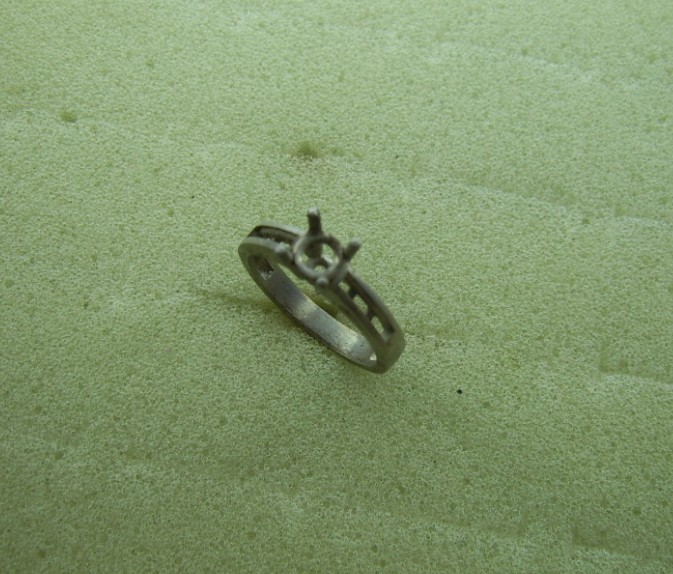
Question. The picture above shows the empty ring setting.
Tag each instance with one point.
(270, 250)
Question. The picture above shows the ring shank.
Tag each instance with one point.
(375, 348)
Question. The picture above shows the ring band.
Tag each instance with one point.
(270, 248)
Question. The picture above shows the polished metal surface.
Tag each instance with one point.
(271, 249)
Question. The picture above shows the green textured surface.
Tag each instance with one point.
(508, 166)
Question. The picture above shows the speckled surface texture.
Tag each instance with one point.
(508, 168)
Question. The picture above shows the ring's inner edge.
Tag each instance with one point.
(319, 322)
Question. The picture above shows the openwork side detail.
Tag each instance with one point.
(368, 308)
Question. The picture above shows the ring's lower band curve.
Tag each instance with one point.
(380, 340)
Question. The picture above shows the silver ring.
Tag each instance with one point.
(270, 249)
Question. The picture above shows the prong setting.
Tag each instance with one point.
(308, 257)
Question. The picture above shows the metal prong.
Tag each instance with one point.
(351, 249)
(314, 223)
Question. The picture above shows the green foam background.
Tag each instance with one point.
(508, 167)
